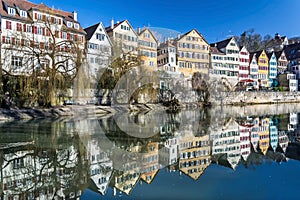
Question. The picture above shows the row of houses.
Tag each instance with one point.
(27, 27)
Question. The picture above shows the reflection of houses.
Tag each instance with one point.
(244, 130)
(292, 126)
(150, 164)
(169, 152)
(283, 140)
(194, 154)
(254, 137)
(100, 166)
(45, 174)
(227, 142)
(125, 181)
(273, 135)
(264, 135)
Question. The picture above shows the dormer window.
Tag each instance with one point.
(23, 13)
(76, 26)
(69, 24)
(11, 11)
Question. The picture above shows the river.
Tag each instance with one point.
(227, 152)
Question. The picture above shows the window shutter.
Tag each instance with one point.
(59, 21)
(24, 27)
(35, 15)
(13, 40)
(22, 42)
(43, 31)
(68, 36)
(3, 39)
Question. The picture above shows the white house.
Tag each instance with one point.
(244, 64)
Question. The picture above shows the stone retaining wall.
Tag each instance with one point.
(242, 98)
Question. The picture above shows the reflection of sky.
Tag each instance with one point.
(258, 182)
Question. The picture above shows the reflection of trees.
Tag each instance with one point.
(50, 165)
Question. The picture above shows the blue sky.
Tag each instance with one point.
(215, 19)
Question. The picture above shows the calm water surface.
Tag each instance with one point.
(218, 153)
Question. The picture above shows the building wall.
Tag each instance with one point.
(263, 69)
(244, 64)
(148, 50)
(193, 54)
(124, 39)
(98, 52)
(272, 69)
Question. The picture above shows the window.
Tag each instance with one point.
(8, 25)
(100, 37)
(151, 63)
(39, 31)
(11, 11)
(146, 35)
(19, 27)
(16, 61)
(76, 26)
(69, 24)
(64, 35)
(28, 29)
(23, 13)
(39, 16)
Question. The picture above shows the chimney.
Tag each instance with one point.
(112, 24)
(74, 15)
(139, 30)
(178, 36)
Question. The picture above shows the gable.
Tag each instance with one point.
(193, 33)
(126, 26)
(151, 36)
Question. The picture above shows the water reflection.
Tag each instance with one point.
(61, 159)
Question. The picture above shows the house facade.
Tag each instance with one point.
(29, 29)
(253, 70)
(166, 58)
(192, 53)
(98, 52)
(124, 38)
(147, 49)
(226, 61)
(282, 62)
(263, 68)
(272, 70)
(244, 64)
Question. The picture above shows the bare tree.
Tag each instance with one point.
(45, 58)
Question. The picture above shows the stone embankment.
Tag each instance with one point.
(248, 98)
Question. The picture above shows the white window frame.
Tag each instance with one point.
(76, 26)
(69, 24)
(11, 11)
(23, 13)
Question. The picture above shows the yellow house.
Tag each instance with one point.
(150, 162)
(264, 135)
(192, 53)
(263, 68)
(195, 155)
(147, 49)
